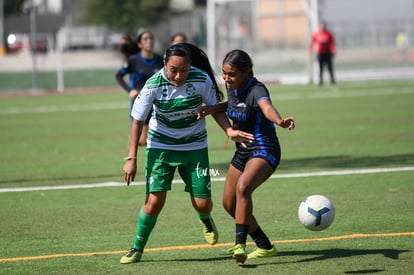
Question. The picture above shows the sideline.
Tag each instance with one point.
(192, 247)
(213, 179)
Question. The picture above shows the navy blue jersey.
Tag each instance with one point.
(243, 109)
(139, 70)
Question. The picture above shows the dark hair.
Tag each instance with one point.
(239, 59)
(128, 46)
(177, 35)
(141, 34)
(197, 58)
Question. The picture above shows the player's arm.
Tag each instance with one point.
(130, 167)
(235, 135)
(211, 109)
(273, 115)
(119, 76)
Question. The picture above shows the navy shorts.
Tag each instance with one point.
(269, 153)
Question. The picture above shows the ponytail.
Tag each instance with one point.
(128, 46)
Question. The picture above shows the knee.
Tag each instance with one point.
(154, 204)
(243, 189)
(152, 209)
(203, 205)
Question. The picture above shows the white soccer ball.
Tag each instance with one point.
(316, 212)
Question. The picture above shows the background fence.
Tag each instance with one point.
(276, 33)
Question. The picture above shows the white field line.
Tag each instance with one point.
(124, 105)
(64, 108)
(214, 179)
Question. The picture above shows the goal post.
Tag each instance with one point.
(275, 33)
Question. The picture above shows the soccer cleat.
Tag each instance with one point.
(262, 253)
(209, 230)
(133, 256)
(228, 251)
(239, 253)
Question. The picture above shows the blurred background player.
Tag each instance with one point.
(140, 66)
(323, 44)
(178, 37)
(127, 46)
(402, 45)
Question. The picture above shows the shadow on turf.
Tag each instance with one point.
(311, 256)
(337, 162)
(364, 271)
(320, 255)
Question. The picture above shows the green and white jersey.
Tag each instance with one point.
(174, 124)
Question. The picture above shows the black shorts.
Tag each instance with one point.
(269, 153)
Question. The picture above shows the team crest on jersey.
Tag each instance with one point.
(190, 89)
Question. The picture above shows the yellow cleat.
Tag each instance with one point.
(262, 253)
(133, 256)
(210, 231)
(239, 253)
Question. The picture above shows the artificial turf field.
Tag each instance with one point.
(354, 145)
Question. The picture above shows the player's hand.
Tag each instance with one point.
(205, 111)
(130, 169)
(240, 137)
(288, 122)
(133, 94)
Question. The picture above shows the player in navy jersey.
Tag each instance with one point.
(250, 108)
(140, 67)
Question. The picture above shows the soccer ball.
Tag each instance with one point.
(316, 212)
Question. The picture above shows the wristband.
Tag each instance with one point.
(129, 158)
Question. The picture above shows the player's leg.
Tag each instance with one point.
(321, 65)
(331, 70)
(229, 195)
(196, 175)
(147, 219)
(159, 177)
(257, 170)
(229, 191)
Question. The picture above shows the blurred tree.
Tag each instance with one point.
(12, 7)
(126, 15)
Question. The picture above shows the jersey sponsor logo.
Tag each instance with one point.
(234, 115)
(189, 113)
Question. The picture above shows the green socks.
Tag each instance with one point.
(203, 217)
(145, 225)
